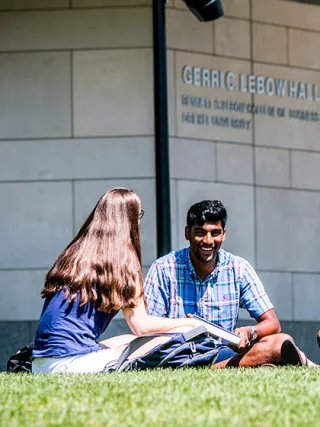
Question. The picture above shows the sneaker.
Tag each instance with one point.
(290, 355)
(318, 338)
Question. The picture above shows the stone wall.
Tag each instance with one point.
(267, 175)
(76, 118)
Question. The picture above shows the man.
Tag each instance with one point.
(204, 279)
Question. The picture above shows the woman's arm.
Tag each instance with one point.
(141, 323)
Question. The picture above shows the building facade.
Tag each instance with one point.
(77, 118)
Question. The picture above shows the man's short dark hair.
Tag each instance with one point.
(207, 211)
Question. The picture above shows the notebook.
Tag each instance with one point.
(218, 332)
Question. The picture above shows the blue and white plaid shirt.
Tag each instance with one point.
(173, 289)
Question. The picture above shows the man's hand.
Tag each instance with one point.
(244, 333)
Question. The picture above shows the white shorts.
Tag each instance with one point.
(82, 364)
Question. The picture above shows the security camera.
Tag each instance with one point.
(205, 10)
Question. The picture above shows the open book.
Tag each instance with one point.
(222, 335)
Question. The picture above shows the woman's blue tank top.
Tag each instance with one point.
(67, 329)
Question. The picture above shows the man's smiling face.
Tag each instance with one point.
(205, 240)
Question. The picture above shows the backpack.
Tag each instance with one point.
(21, 360)
(194, 348)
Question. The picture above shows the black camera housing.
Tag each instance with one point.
(205, 10)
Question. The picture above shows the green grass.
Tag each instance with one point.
(230, 397)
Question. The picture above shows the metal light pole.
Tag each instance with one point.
(161, 129)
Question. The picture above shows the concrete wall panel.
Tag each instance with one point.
(301, 48)
(280, 291)
(107, 3)
(20, 292)
(270, 43)
(232, 37)
(272, 167)
(102, 94)
(238, 200)
(87, 193)
(180, 4)
(288, 13)
(305, 170)
(307, 294)
(237, 8)
(235, 163)
(174, 213)
(171, 79)
(243, 315)
(113, 92)
(208, 130)
(290, 131)
(288, 230)
(33, 4)
(76, 29)
(36, 223)
(187, 33)
(77, 158)
(35, 95)
(192, 159)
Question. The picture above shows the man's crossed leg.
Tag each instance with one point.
(276, 349)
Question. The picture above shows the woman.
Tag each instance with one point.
(98, 274)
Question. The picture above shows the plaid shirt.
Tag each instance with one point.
(173, 289)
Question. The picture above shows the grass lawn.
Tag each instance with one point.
(202, 397)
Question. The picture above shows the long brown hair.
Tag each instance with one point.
(103, 261)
